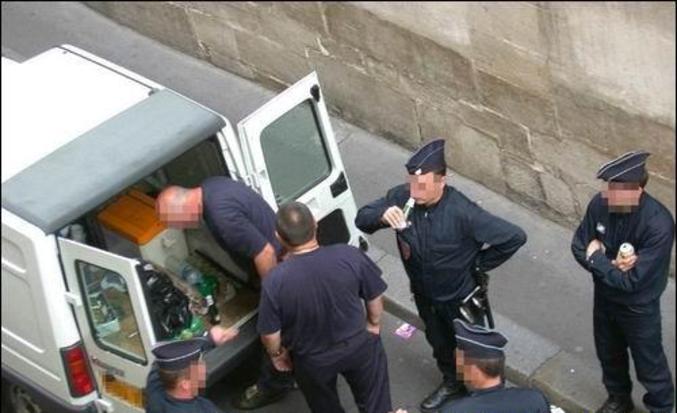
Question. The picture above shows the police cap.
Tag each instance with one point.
(629, 167)
(479, 342)
(429, 157)
(177, 355)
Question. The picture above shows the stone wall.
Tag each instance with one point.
(532, 97)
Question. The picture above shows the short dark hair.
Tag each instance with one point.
(295, 223)
(493, 367)
(170, 378)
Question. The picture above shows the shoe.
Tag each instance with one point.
(443, 394)
(617, 403)
(253, 398)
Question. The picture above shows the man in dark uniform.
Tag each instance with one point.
(312, 317)
(441, 250)
(179, 373)
(481, 361)
(628, 284)
(241, 222)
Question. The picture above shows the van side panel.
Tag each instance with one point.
(36, 319)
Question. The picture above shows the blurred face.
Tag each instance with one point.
(426, 189)
(198, 377)
(178, 209)
(621, 196)
(467, 372)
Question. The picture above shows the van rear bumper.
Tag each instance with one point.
(47, 401)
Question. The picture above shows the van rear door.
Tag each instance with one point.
(291, 154)
(116, 328)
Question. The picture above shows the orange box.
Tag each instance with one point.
(133, 217)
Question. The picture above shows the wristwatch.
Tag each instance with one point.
(278, 353)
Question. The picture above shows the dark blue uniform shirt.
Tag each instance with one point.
(500, 400)
(316, 299)
(239, 218)
(649, 228)
(444, 243)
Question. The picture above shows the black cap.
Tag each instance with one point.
(429, 157)
(629, 167)
(177, 355)
(479, 342)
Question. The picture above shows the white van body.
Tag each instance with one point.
(78, 132)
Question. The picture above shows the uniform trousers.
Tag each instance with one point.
(361, 360)
(618, 327)
(438, 319)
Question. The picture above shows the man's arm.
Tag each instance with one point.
(503, 238)
(265, 260)
(370, 217)
(374, 311)
(651, 258)
(278, 354)
(582, 237)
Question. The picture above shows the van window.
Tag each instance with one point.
(109, 309)
(294, 151)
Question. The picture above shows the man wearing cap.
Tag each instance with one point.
(480, 359)
(243, 224)
(441, 248)
(628, 284)
(320, 316)
(179, 373)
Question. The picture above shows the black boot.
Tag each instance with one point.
(617, 403)
(443, 394)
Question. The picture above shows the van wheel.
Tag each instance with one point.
(21, 401)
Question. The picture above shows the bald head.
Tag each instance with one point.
(179, 207)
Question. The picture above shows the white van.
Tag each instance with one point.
(86, 145)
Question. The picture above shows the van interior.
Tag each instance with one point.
(126, 225)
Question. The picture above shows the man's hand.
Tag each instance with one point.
(221, 335)
(393, 217)
(374, 328)
(592, 247)
(625, 264)
(282, 362)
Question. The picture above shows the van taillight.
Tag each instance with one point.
(77, 369)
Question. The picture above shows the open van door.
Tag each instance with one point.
(108, 301)
(291, 154)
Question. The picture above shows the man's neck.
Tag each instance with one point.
(487, 383)
(309, 246)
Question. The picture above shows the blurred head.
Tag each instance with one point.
(179, 207)
(477, 372)
(427, 188)
(625, 177)
(295, 225)
(185, 382)
(622, 196)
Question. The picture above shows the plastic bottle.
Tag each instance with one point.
(185, 270)
(208, 288)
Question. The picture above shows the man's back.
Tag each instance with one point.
(319, 297)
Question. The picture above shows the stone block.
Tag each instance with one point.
(215, 36)
(162, 21)
(522, 178)
(583, 193)
(476, 156)
(271, 60)
(341, 51)
(308, 14)
(239, 15)
(584, 118)
(512, 137)
(434, 122)
(558, 196)
(570, 383)
(367, 102)
(411, 53)
(572, 158)
(277, 25)
(537, 112)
